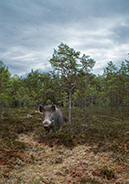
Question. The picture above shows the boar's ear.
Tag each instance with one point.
(53, 108)
(41, 109)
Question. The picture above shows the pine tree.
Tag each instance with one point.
(64, 60)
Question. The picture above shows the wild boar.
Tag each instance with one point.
(52, 117)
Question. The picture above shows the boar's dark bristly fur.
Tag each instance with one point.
(52, 117)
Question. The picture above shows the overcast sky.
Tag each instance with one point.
(31, 29)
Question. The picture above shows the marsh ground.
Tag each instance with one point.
(78, 153)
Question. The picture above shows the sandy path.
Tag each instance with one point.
(58, 164)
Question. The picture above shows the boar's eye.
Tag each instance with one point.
(50, 114)
(53, 108)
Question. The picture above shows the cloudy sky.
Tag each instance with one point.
(31, 29)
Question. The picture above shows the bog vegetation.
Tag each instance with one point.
(96, 108)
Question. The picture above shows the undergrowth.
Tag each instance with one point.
(108, 135)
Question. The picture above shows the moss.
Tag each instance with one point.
(88, 180)
(65, 138)
(107, 173)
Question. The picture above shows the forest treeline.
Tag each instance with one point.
(67, 80)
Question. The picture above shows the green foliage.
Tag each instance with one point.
(72, 84)
(107, 173)
(65, 59)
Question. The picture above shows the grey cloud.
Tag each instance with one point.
(31, 29)
(122, 34)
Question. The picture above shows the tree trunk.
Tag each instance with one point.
(91, 111)
(70, 105)
(0, 84)
(1, 109)
(84, 110)
(64, 99)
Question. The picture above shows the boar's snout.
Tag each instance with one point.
(46, 127)
(46, 124)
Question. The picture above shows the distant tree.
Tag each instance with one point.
(4, 87)
(123, 74)
(127, 82)
(34, 85)
(4, 76)
(109, 70)
(44, 86)
(15, 85)
(87, 65)
(110, 84)
(84, 79)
